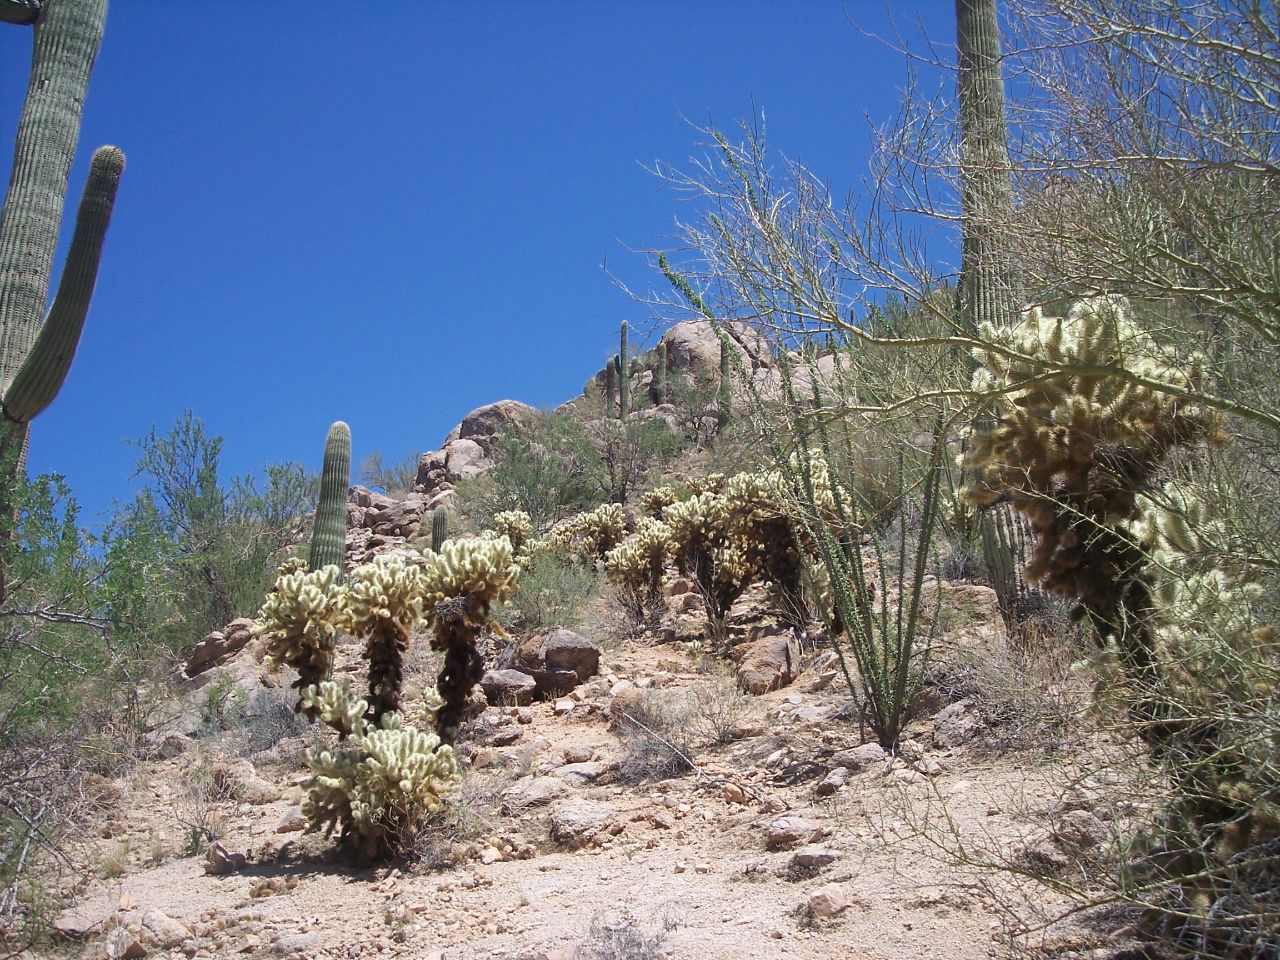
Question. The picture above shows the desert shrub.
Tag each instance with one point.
(552, 594)
(719, 711)
(394, 479)
(653, 726)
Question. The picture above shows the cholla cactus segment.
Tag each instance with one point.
(299, 618)
(470, 567)
(387, 588)
(333, 704)
(648, 547)
(711, 483)
(515, 525)
(654, 501)
(702, 518)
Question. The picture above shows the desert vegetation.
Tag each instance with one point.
(858, 528)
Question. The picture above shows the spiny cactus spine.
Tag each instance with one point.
(329, 539)
(439, 528)
(65, 45)
(624, 374)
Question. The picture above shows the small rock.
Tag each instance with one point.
(813, 857)
(578, 774)
(771, 659)
(123, 945)
(859, 758)
(829, 901)
(238, 779)
(533, 792)
(298, 943)
(291, 822)
(505, 738)
(508, 688)
(163, 930)
(575, 822)
(733, 793)
(577, 754)
(788, 831)
(562, 706)
(218, 861)
(832, 782)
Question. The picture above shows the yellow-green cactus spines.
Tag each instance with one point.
(460, 585)
(762, 522)
(636, 567)
(515, 525)
(654, 501)
(379, 783)
(299, 619)
(384, 603)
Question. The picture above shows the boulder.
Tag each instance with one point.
(533, 792)
(557, 659)
(859, 758)
(400, 518)
(505, 688)
(237, 779)
(464, 459)
(163, 931)
(218, 647)
(694, 345)
(219, 861)
(576, 822)
(956, 724)
(485, 425)
(771, 659)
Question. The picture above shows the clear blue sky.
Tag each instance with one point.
(393, 211)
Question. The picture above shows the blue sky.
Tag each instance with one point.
(394, 211)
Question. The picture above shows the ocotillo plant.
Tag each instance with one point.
(329, 539)
(34, 354)
(439, 528)
(624, 374)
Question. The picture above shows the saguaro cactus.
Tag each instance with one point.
(36, 353)
(624, 374)
(724, 396)
(610, 386)
(988, 279)
(439, 528)
(329, 539)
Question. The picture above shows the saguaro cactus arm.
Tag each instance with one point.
(329, 539)
(66, 40)
(45, 368)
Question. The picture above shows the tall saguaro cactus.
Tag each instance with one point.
(987, 278)
(36, 349)
(624, 374)
(329, 539)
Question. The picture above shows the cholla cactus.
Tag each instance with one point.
(636, 566)
(383, 603)
(460, 585)
(762, 522)
(1220, 666)
(380, 782)
(299, 618)
(711, 483)
(515, 525)
(1075, 443)
(654, 501)
(703, 551)
(588, 536)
